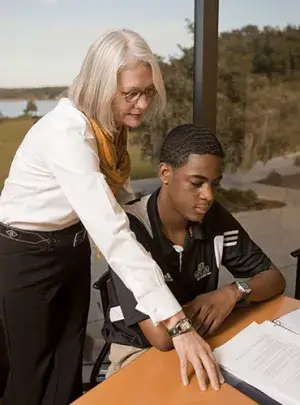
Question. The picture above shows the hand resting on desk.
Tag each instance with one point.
(208, 311)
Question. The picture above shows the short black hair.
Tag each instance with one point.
(188, 139)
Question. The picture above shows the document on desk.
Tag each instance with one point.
(268, 358)
(290, 321)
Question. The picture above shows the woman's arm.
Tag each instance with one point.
(70, 152)
(71, 155)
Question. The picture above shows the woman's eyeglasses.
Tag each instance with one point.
(134, 95)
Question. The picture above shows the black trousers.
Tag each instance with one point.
(4, 362)
(44, 302)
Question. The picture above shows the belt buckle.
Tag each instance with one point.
(79, 237)
(11, 233)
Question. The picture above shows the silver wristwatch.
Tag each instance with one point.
(244, 288)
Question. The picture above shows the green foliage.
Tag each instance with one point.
(285, 181)
(236, 200)
(258, 95)
(30, 108)
(258, 87)
(274, 178)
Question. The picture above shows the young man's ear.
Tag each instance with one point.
(164, 172)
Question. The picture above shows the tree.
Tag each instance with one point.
(31, 108)
(258, 95)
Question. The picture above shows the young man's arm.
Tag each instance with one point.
(264, 285)
(156, 335)
(244, 259)
(209, 310)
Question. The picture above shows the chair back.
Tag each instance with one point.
(102, 284)
(296, 254)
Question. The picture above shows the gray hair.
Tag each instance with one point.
(93, 90)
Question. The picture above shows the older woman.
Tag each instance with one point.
(67, 178)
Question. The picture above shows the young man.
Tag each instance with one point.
(189, 235)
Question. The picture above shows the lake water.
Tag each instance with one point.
(14, 108)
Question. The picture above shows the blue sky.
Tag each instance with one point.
(43, 42)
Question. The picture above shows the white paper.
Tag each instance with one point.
(267, 357)
(290, 321)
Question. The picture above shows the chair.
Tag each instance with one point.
(101, 364)
(296, 254)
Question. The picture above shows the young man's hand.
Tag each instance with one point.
(209, 310)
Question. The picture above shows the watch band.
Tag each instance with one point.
(183, 326)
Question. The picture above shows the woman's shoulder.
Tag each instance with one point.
(66, 118)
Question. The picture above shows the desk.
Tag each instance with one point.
(154, 378)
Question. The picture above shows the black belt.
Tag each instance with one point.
(75, 235)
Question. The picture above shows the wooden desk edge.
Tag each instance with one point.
(237, 321)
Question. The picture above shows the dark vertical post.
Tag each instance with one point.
(198, 60)
(206, 16)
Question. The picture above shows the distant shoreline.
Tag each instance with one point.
(14, 107)
(37, 93)
(26, 99)
(12, 99)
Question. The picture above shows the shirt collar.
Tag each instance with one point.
(196, 229)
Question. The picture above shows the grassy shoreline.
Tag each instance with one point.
(12, 131)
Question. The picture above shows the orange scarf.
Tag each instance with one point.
(114, 158)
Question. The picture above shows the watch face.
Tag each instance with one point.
(245, 287)
(185, 325)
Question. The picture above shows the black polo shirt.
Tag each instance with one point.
(219, 239)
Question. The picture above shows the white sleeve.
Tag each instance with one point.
(71, 156)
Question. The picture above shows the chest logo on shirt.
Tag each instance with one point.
(202, 271)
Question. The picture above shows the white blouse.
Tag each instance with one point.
(54, 181)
